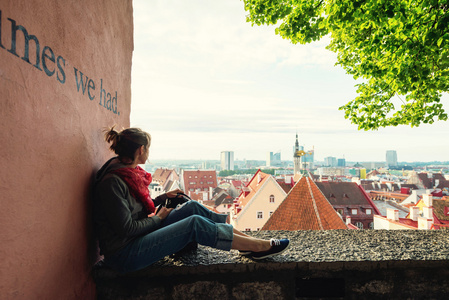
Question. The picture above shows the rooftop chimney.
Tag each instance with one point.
(424, 224)
(392, 214)
(348, 220)
(427, 212)
(414, 213)
(428, 200)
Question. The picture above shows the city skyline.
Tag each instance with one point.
(204, 80)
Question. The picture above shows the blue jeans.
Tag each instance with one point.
(190, 222)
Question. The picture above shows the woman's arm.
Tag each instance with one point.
(161, 198)
(116, 208)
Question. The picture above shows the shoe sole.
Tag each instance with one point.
(272, 254)
(245, 253)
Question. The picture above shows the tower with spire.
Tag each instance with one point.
(298, 153)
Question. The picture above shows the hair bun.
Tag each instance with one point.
(112, 136)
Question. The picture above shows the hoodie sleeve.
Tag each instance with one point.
(112, 196)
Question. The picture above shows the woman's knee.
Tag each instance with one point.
(194, 219)
(196, 222)
(192, 206)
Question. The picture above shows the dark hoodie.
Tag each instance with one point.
(119, 218)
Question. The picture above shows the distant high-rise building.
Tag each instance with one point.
(330, 161)
(309, 159)
(391, 158)
(273, 159)
(227, 160)
(341, 162)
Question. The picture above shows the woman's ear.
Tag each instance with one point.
(141, 149)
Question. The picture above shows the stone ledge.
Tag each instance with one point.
(344, 264)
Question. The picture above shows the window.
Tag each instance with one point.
(201, 182)
(359, 225)
(247, 229)
(340, 212)
(271, 212)
(354, 211)
(371, 225)
(192, 182)
(257, 229)
(271, 198)
(260, 215)
(368, 211)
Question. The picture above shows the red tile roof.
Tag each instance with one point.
(199, 179)
(251, 189)
(162, 175)
(285, 186)
(343, 193)
(425, 180)
(237, 183)
(305, 208)
(367, 185)
(438, 176)
(408, 222)
(442, 182)
(441, 209)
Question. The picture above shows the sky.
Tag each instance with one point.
(205, 81)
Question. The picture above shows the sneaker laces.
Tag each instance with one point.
(275, 242)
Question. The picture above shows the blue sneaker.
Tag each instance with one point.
(277, 247)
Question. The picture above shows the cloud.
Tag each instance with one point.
(216, 36)
(204, 80)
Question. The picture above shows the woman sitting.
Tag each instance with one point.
(132, 236)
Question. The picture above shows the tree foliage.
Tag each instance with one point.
(398, 48)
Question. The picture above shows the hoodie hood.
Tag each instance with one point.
(110, 165)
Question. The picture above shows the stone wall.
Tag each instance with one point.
(65, 74)
(338, 264)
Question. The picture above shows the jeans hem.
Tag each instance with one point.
(225, 236)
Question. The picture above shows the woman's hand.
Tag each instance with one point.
(164, 212)
(174, 193)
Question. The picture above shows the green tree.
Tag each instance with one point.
(224, 173)
(398, 48)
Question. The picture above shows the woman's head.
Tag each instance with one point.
(126, 142)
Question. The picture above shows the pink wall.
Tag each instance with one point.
(51, 137)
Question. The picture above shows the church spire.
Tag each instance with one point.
(296, 143)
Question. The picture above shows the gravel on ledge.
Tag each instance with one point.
(332, 246)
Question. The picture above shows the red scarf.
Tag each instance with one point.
(137, 181)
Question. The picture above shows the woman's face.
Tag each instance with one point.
(145, 154)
